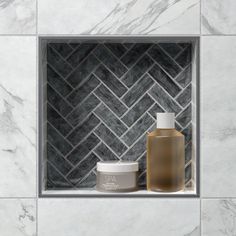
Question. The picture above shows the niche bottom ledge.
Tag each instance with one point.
(95, 193)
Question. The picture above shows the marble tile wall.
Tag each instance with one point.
(22, 213)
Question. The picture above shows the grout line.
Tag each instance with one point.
(110, 111)
(84, 138)
(84, 81)
(59, 133)
(61, 57)
(103, 64)
(85, 157)
(59, 153)
(173, 98)
(102, 142)
(64, 176)
(84, 59)
(61, 77)
(138, 100)
(117, 58)
(110, 92)
(60, 97)
(83, 120)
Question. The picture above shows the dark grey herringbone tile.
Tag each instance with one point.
(135, 53)
(173, 49)
(58, 121)
(186, 96)
(137, 90)
(56, 180)
(83, 168)
(137, 71)
(166, 62)
(184, 78)
(117, 49)
(83, 149)
(111, 62)
(110, 120)
(64, 49)
(185, 116)
(96, 91)
(58, 63)
(79, 75)
(110, 80)
(164, 100)
(136, 150)
(138, 110)
(81, 53)
(188, 153)
(188, 173)
(110, 139)
(88, 182)
(58, 160)
(83, 110)
(164, 80)
(140, 127)
(57, 140)
(110, 100)
(185, 57)
(80, 93)
(105, 153)
(76, 136)
(54, 79)
(58, 101)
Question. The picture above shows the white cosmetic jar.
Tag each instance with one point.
(117, 176)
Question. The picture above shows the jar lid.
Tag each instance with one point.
(117, 166)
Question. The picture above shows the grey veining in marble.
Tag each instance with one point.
(119, 217)
(18, 217)
(218, 17)
(17, 16)
(218, 116)
(18, 117)
(218, 217)
(119, 17)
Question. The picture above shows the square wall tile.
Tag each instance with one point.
(218, 217)
(18, 116)
(218, 17)
(17, 217)
(18, 17)
(119, 17)
(218, 116)
(105, 217)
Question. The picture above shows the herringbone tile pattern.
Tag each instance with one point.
(101, 102)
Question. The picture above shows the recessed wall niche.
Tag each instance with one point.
(97, 101)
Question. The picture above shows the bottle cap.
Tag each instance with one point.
(165, 120)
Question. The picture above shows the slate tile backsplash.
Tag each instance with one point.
(101, 102)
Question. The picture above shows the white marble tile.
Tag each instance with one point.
(119, 17)
(17, 217)
(218, 116)
(105, 217)
(17, 16)
(218, 217)
(218, 17)
(17, 116)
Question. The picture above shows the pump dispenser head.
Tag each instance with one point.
(165, 120)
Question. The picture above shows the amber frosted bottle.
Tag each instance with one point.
(165, 156)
